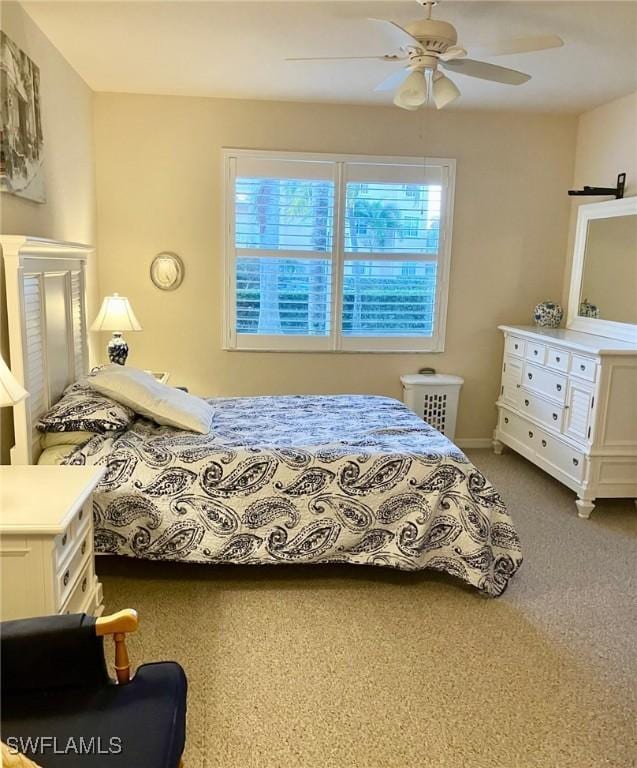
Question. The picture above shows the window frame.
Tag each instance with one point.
(335, 341)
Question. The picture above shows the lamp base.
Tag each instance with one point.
(117, 349)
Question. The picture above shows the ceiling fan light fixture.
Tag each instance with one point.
(413, 92)
(444, 90)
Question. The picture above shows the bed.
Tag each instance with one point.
(303, 479)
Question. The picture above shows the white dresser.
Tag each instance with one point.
(568, 403)
(46, 541)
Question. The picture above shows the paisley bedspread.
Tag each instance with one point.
(302, 479)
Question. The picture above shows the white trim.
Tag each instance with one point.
(336, 342)
(605, 210)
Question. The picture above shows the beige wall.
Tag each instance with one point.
(67, 115)
(159, 188)
(606, 145)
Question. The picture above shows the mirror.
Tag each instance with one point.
(609, 280)
(603, 294)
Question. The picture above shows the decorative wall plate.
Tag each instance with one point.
(167, 271)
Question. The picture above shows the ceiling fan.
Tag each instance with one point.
(425, 45)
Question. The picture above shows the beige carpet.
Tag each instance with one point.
(334, 667)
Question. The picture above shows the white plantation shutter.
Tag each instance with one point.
(391, 250)
(282, 243)
(337, 253)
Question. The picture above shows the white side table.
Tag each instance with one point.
(47, 563)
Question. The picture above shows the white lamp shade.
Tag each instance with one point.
(11, 392)
(116, 314)
(413, 92)
(443, 90)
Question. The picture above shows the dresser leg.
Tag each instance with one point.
(584, 508)
(498, 446)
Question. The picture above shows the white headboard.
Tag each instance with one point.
(46, 308)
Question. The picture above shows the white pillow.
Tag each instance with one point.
(148, 397)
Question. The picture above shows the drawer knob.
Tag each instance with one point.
(65, 580)
(530, 375)
(535, 351)
(543, 443)
(582, 367)
(555, 417)
(84, 584)
(557, 359)
(64, 540)
(515, 346)
(83, 547)
(530, 433)
(506, 420)
(559, 387)
(526, 402)
(576, 461)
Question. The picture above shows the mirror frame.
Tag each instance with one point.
(599, 327)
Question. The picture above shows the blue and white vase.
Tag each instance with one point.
(548, 314)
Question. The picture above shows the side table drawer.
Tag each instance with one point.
(68, 574)
(77, 599)
(65, 542)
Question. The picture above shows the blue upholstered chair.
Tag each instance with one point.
(61, 708)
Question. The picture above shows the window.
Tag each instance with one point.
(336, 253)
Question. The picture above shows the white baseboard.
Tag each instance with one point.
(474, 442)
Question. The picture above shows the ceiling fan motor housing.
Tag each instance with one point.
(435, 36)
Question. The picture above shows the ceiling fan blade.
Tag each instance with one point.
(398, 36)
(520, 45)
(455, 52)
(486, 71)
(394, 80)
(387, 57)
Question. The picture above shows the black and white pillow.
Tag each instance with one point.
(83, 409)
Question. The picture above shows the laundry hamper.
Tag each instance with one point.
(434, 397)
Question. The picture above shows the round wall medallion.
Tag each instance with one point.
(167, 271)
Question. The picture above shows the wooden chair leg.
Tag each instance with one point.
(118, 625)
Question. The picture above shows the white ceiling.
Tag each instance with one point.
(237, 49)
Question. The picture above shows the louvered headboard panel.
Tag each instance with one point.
(45, 284)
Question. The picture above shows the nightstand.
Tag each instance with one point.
(47, 563)
(161, 376)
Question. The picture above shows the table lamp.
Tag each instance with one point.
(11, 392)
(116, 315)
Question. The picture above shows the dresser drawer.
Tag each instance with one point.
(76, 601)
(517, 427)
(584, 367)
(557, 358)
(561, 455)
(67, 575)
(545, 381)
(535, 352)
(548, 413)
(514, 345)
